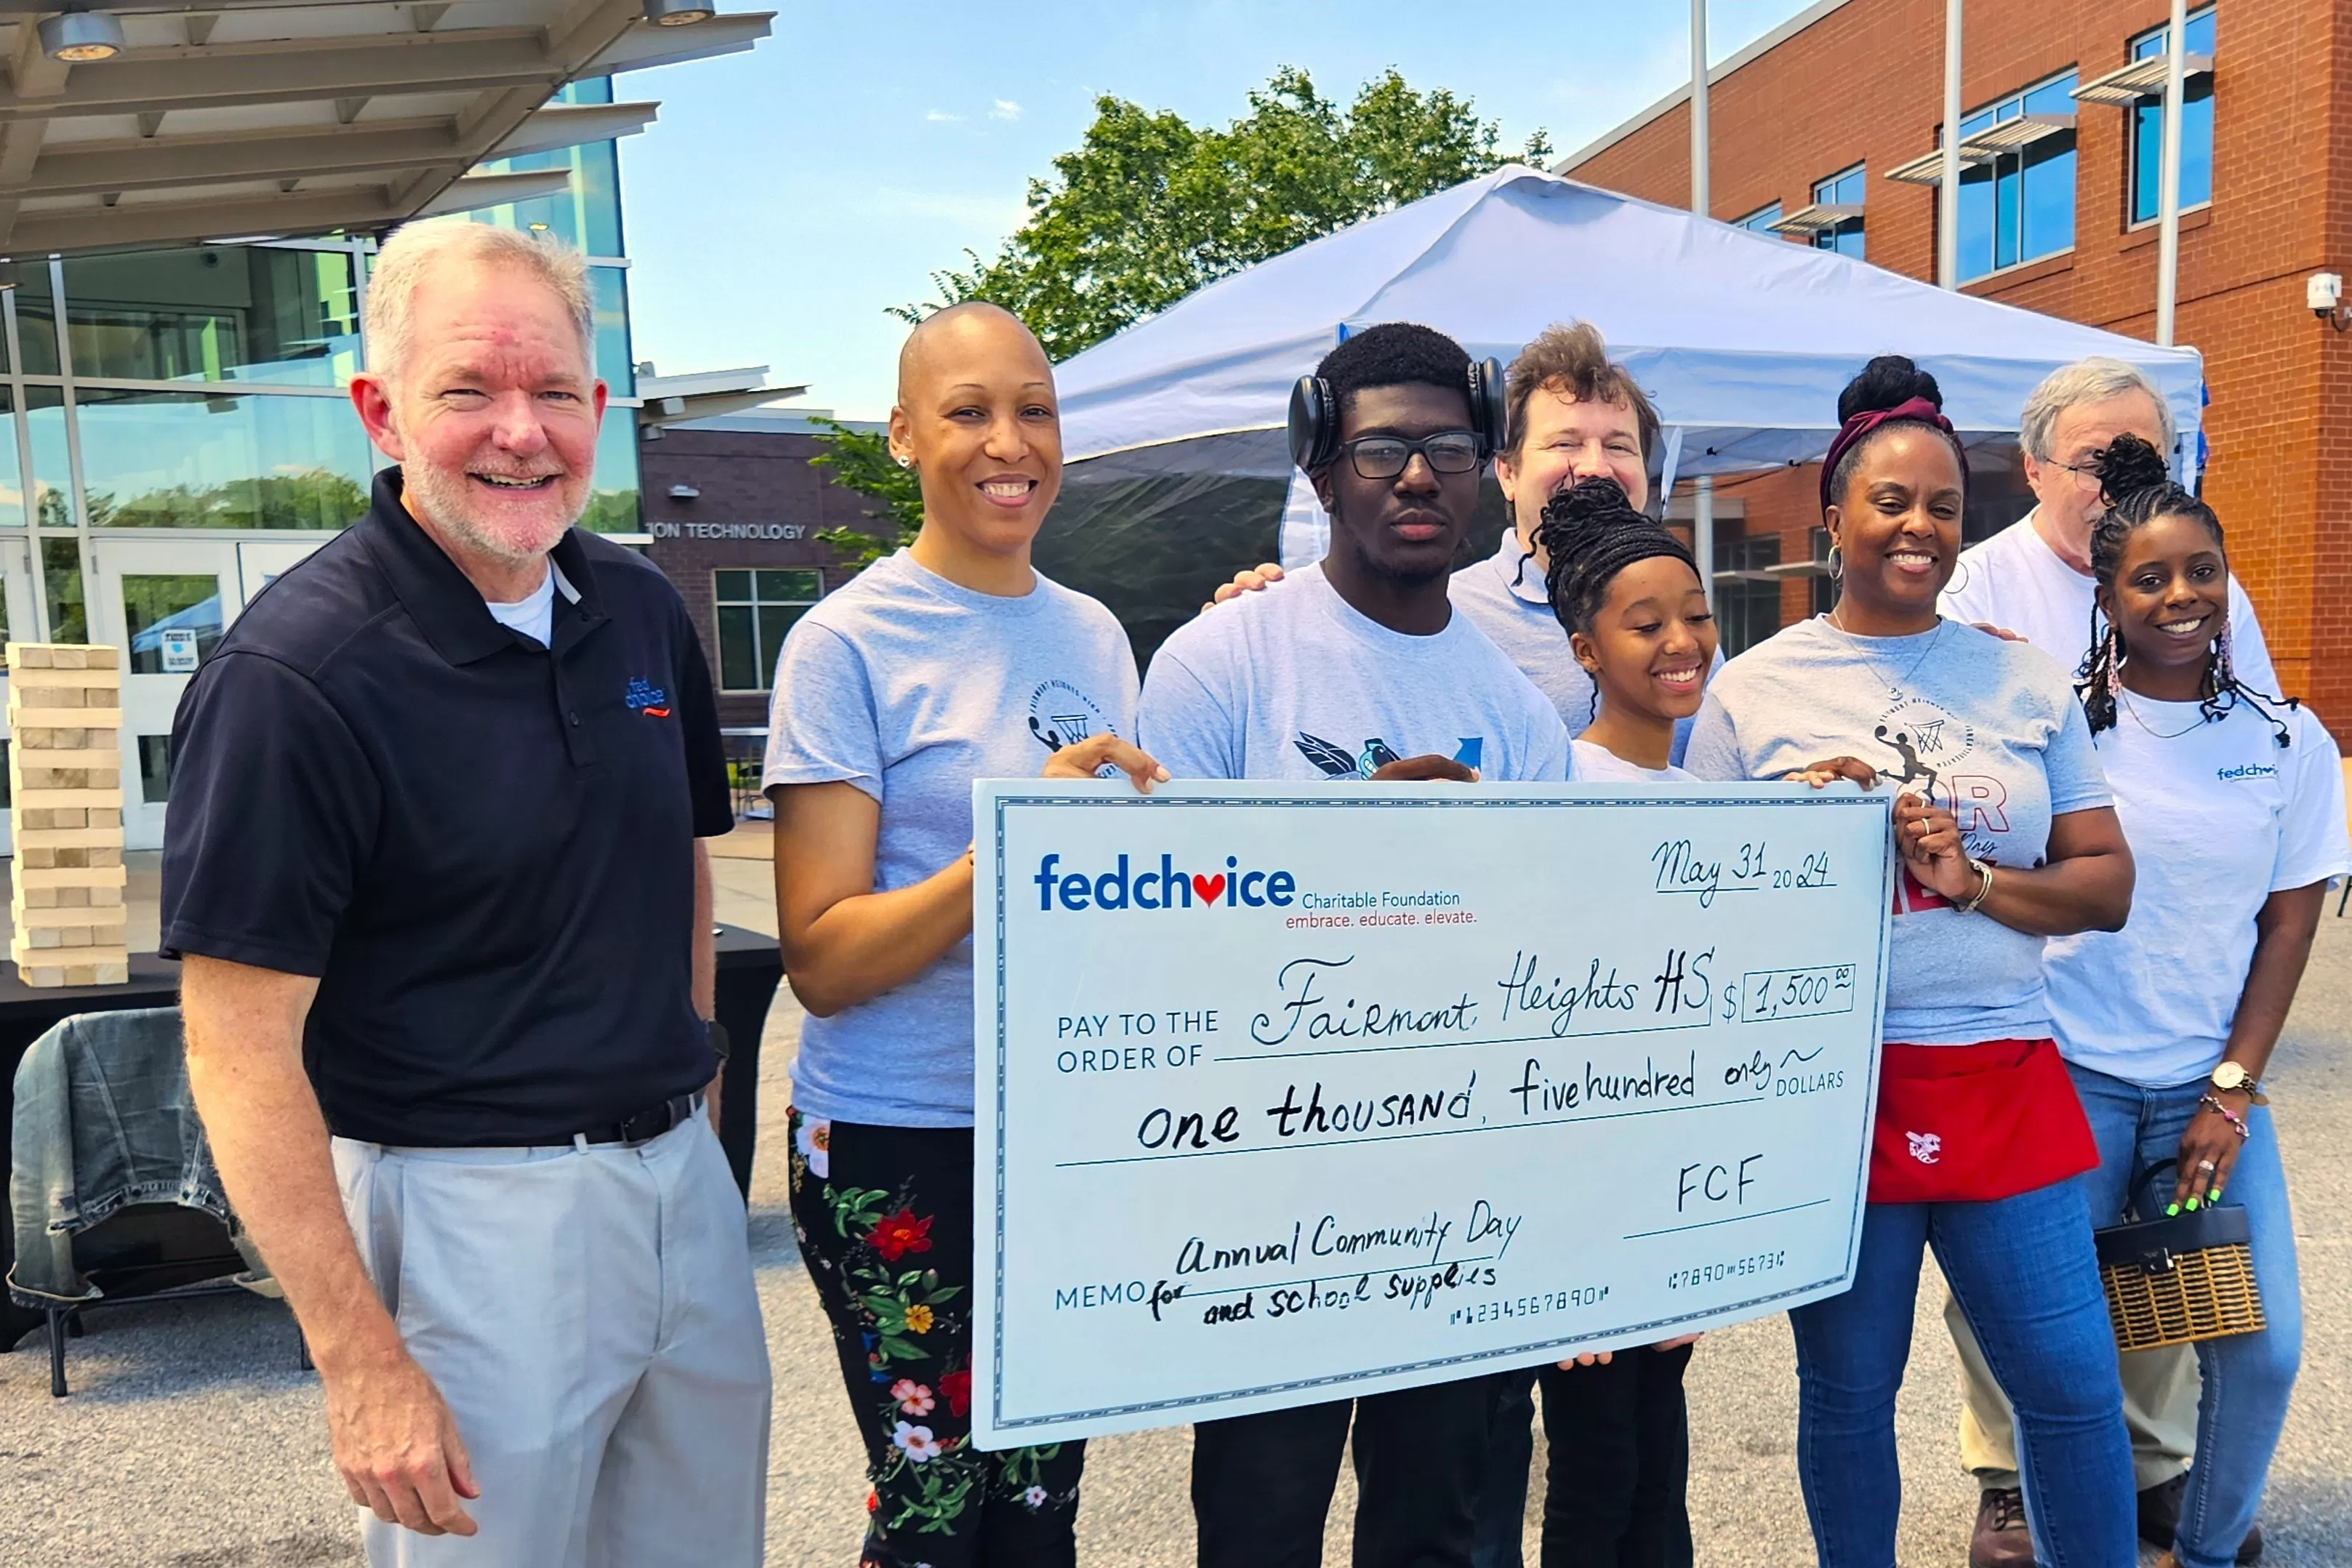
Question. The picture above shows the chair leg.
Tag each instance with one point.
(56, 1353)
(302, 1348)
(2341, 898)
(74, 1329)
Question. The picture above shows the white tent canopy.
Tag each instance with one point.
(1741, 339)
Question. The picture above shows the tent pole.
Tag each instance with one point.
(1702, 490)
(1698, 203)
(1948, 190)
(2167, 241)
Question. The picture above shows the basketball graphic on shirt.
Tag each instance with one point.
(1060, 715)
(1915, 746)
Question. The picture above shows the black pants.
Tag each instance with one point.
(1615, 1494)
(1262, 1484)
(885, 1220)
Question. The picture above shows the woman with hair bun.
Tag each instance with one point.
(2007, 837)
(2234, 802)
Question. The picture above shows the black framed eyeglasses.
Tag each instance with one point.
(2087, 474)
(1386, 456)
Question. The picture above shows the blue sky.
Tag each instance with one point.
(789, 195)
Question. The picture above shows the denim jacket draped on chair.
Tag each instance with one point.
(103, 1121)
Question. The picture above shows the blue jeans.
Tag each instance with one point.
(2023, 1271)
(2248, 1377)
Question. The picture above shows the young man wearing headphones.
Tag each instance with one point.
(1359, 669)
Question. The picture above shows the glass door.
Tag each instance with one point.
(16, 621)
(165, 602)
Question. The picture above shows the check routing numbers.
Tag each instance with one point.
(1573, 969)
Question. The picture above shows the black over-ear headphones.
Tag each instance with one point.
(1315, 415)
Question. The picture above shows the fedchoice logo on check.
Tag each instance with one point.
(1160, 887)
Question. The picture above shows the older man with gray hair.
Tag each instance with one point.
(2033, 579)
(431, 862)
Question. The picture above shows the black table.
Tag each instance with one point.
(750, 968)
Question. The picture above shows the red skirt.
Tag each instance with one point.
(1964, 1123)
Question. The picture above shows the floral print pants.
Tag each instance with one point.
(885, 1220)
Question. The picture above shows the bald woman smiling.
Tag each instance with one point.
(950, 661)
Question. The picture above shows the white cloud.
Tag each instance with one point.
(1006, 109)
(942, 117)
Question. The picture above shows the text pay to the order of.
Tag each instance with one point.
(1286, 1095)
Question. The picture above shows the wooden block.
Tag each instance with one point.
(69, 799)
(29, 655)
(31, 859)
(112, 975)
(79, 918)
(33, 727)
(103, 855)
(69, 655)
(109, 819)
(102, 655)
(23, 951)
(103, 897)
(72, 875)
(64, 835)
(101, 967)
(23, 694)
(36, 897)
(75, 679)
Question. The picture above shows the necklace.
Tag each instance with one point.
(1892, 687)
(2199, 723)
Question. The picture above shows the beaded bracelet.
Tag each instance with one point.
(2236, 1123)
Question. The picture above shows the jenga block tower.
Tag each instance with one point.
(65, 774)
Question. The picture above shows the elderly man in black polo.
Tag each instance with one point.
(432, 863)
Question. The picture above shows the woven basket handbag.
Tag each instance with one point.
(2177, 1280)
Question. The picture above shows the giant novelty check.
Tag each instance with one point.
(1287, 1095)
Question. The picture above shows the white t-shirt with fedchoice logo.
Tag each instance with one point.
(909, 688)
(1296, 684)
(2220, 816)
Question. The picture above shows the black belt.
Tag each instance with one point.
(648, 1124)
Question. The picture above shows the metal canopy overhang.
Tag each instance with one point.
(1983, 146)
(1819, 218)
(250, 117)
(2141, 78)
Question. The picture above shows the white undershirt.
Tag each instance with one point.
(534, 616)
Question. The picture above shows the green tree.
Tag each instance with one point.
(1149, 208)
(861, 461)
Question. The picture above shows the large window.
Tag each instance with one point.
(1843, 189)
(217, 313)
(2196, 126)
(2020, 206)
(1748, 605)
(588, 215)
(1760, 221)
(755, 610)
(612, 502)
(186, 460)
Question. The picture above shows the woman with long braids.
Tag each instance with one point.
(1627, 592)
(2235, 804)
(2007, 837)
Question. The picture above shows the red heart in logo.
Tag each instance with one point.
(1210, 888)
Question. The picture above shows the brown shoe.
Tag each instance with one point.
(2000, 1540)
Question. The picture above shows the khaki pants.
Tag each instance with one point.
(2160, 1393)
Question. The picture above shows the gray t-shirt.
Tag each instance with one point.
(1294, 683)
(910, 687)
(1989, 730)
(1504, 597)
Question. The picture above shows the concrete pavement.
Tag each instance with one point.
(192, 1440)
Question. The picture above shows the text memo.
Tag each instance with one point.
(1286, 1095)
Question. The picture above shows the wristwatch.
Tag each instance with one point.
(2232, 1075)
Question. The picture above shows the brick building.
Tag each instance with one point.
(732, 509)
(1812, 127)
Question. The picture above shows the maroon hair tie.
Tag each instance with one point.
(1857, 429)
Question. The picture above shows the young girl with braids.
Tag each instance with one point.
(1627, 592)
(2233, 801)
(2007, 837)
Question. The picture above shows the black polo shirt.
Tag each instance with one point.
(483, 848)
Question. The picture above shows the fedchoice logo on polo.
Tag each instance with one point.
(1160, 887)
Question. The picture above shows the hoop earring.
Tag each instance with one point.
(1837, 566)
